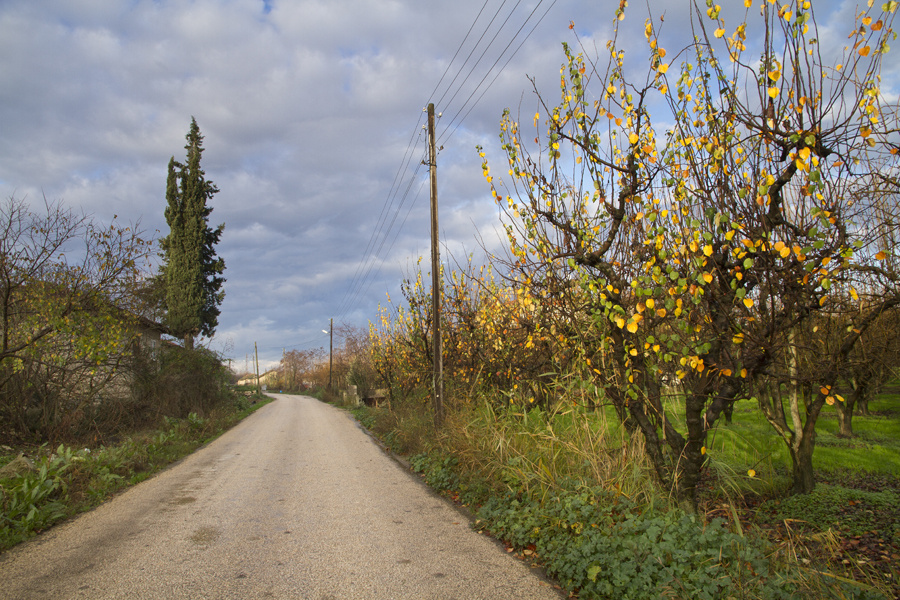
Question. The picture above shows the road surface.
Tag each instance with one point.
(294, 502)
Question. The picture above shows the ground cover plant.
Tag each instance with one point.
(585, 508)
(41, 486)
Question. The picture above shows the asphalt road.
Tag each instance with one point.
(295, 502)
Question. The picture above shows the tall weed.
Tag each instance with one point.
(536, 452)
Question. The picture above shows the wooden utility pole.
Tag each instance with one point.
(438, 364)
(330, 355)
(256, 353)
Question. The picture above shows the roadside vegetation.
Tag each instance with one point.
(177, 402)
(571, 491)
(681, 380)
(41, 486)
(93, 395)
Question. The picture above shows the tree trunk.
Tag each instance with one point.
(845, 419)
(863, 405)
(690, 464)
(801, 461)
(728, 412)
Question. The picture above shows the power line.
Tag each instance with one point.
(368, 268)
(455, 54)
(368, 259)
(382, 218)
(497, 75)
(472, 51)
(486, 48)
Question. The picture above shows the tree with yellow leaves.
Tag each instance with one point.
(703, 246)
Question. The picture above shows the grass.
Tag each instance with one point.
(66, 481)
(544, 483)
(750, 442)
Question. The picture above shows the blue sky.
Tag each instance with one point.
(309, 109)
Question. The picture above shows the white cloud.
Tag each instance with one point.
(307, 111)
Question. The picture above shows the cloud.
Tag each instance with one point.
(311, 112)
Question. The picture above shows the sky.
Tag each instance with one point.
(312, 113)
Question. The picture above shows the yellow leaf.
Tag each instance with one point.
(632, 327)
(703, 450)
(650, 303)
(825, 390)
(829, 400)
(864, 51)
(737, 338)
(751, 473)
(773, 92)
(744, 373)
(707, 277)
(785, 252)
(663, 68)
(881, 255)
(708, 249)
(839, 397)
(633, 138)
(748, 302)
(620, 322)
(719, 32)
(774, 75)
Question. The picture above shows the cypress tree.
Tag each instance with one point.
(191, 270)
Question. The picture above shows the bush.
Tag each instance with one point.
(180, 382)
